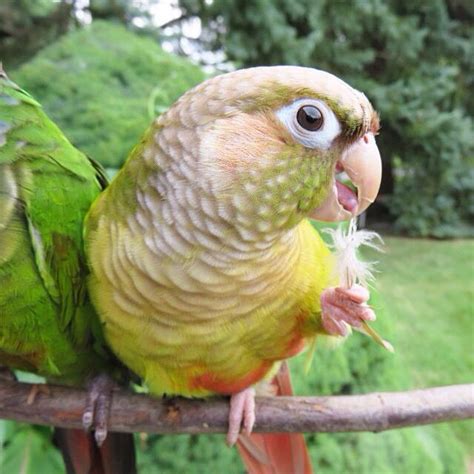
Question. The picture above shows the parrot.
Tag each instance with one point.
(48, 325)
(204, 267)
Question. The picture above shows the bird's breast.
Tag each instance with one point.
(208, 317)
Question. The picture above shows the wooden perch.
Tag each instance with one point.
(62, 406)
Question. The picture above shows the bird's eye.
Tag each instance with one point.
(310, 122)
(310, 118)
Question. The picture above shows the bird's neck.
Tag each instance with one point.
(258, 217)
(192, 221)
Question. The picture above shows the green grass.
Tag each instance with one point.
(427, 287)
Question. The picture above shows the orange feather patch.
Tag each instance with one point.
(210, 381)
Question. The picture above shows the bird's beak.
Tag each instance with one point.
(361, 164)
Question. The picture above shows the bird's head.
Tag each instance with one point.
(270, 142)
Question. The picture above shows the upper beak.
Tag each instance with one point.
(362, 163)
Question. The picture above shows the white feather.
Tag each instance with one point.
(351, 270)
(349, 267)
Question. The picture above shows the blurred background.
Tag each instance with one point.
(104, 68)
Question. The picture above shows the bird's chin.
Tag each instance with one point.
(355, 182)
(341, 204)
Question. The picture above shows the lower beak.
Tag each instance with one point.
(362, 164)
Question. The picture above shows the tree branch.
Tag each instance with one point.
(175, 21)
(62, 406)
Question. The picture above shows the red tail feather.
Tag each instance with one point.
(82, 456)
(276, 453)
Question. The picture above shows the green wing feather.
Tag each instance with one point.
(46, 188)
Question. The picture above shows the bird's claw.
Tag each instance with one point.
(342, 307)
(242, 413)
(96, 412)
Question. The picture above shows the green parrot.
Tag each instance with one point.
(47, 323)
(205, 269)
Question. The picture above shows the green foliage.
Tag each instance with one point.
(28, 25)
(192, 454)
(415, 61)
(27, 449)
(103, 85)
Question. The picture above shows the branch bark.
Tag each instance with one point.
(62, 406)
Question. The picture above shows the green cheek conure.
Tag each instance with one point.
(205, 270)
(47, 323)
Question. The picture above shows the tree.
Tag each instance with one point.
(109, 83)
(415, 61)
(28, 25)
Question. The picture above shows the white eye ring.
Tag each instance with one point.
(321, 138)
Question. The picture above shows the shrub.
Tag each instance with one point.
(104, 84)
(414, 60)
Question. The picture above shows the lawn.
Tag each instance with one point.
(427, 288)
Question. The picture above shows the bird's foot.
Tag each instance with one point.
(265, 388)
(242, 413)
(96, 412)
(342, 307)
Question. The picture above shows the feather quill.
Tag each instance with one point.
(351, 269)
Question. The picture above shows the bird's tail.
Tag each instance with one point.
(276, 453)
(81, 454)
